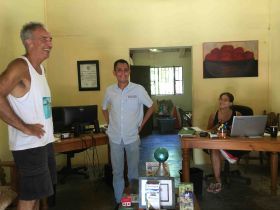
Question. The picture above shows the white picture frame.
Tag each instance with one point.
(167, 191)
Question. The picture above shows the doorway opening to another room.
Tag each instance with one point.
(166, 74)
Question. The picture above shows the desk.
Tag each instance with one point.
(266, 144)
(82, 142)
(77, 143)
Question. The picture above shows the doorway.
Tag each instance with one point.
(164, 58)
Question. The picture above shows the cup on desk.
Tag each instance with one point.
(273, 131)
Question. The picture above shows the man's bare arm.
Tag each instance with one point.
(148, 114)
(106, 115)
(12, 82)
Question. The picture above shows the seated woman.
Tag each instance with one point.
(224, 115)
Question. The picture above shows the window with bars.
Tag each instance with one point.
(166, 80)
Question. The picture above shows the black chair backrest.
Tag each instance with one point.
(272, 118)
(244, 110)
(186, 121)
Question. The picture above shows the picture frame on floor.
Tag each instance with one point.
(167, 191)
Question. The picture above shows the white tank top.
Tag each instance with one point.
(34, 107)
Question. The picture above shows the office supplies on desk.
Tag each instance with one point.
(274, 131)
(197, 129)
(268, 134)
(250, 126)
(203, 134)
(187, 132)
(213, 135)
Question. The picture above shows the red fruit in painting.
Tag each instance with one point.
(212, 57)
(238, 57)
(229, 53)
(249, 55)
(238, 54)
(216, 51)
(238, 50)
(226, 56)
(227, 48)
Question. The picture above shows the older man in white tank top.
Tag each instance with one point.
(25, 105)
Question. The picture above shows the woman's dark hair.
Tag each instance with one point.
(229, 95)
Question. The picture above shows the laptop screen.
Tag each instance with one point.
(251, 126)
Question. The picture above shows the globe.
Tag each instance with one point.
(161, 154)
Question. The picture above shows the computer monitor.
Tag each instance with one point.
(250, 126)
(68, 118)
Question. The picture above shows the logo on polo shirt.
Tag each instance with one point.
(132, 96)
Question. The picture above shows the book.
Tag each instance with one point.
(186, 196)
(187, 132)
(151, 168)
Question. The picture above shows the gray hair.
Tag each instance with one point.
(27, 29)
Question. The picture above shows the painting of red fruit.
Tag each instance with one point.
(230, 59)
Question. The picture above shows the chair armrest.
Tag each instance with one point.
(7, 196)
(13, 174)
(7, 163)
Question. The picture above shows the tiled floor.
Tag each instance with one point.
(95, 194)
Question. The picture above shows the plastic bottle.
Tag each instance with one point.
(222, 131)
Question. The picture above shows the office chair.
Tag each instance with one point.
(234, 175)
(8, 190)
(273, 119)
(69, 170)
(186, 118)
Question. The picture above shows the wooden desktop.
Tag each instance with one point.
(267, 144)
(70, 146)
(81, 142)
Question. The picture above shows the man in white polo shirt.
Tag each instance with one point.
(125, 120)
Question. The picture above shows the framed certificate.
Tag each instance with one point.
(88, 75)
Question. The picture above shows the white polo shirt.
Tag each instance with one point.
(126, 111)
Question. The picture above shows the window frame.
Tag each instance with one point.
(157, 82)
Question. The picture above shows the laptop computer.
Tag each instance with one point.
(250, 126)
